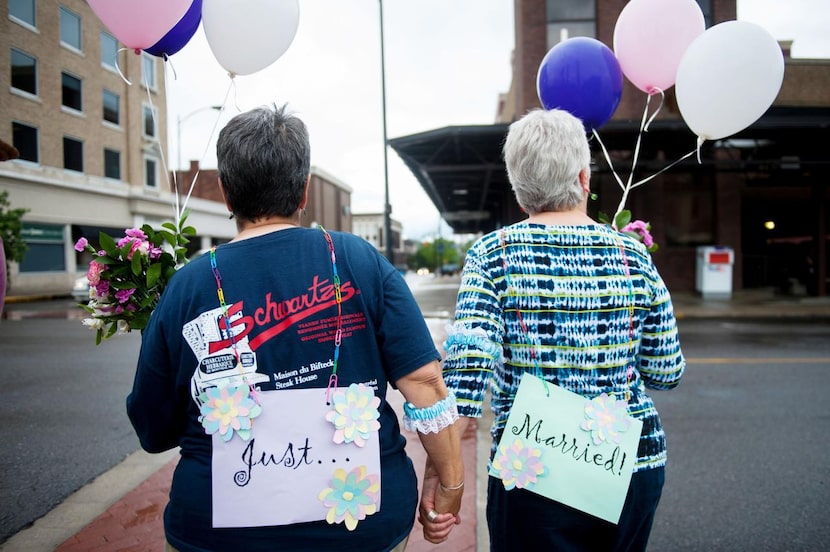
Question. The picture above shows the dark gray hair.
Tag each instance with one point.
(264, 159)
(544, 153)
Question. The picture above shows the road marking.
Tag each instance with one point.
(765, 360)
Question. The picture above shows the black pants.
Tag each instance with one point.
(520, 520)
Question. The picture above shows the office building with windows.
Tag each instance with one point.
(92, 145)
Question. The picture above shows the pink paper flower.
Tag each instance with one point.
(228, 409)
(81, 244)
(351, 497)
(354, 414)
(519, 466)
(606, 418)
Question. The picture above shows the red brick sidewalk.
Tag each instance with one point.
(134, 523)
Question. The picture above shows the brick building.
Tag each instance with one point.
(763, 192)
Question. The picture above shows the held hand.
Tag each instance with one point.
(438, 510)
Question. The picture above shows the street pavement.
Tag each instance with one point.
(121, 510)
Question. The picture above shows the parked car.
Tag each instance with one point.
(80, 290)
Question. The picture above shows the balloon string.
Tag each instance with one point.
(175, 184)
(169, 62)
(608, 160)
(146, 86)
(208, 142)
(661, 171)
(654, 91)
(118, 68)
(636, 157)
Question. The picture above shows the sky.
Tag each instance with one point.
(446, 63)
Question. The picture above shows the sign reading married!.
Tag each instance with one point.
(577, 451)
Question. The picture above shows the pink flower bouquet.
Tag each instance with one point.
(126, 277)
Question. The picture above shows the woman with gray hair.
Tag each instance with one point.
(580, 306)
(268, 362)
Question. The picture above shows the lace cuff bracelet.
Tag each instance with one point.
(430, 419)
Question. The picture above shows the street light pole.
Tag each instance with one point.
(387, 208)
(179, 121)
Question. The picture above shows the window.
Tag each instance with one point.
(148, 71)
(112, 108)
(73, 154)
(109, 50)
(149, 122)
(24, 138)
(569, 18)
(151, 172)
(71, 92)
(70, 29)
(45, 248)
(24, 72)
(23, 11)
(112, 164)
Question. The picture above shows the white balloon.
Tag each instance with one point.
(728, 78)
(247, 36)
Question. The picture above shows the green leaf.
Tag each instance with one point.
(108, 244)
(189, 231)
(153, 274)
(622, 219)
(136, 264)
(169, 237)
(604, 218)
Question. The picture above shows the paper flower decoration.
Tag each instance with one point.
(228, 409)
(518, 465)
(606, 418)
(354, 414)
(351, 497)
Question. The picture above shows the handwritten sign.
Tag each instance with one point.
(544, 449)
(276, 477)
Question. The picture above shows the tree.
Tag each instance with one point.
(435, 255)
(11, 230)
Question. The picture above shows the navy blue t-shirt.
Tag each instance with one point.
(278, 289)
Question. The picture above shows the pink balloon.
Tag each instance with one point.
(650, 38)
(139, 24)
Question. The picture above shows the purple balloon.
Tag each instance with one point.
(582, 76)
(180, 34)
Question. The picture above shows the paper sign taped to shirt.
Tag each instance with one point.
(291, 470)
(565, 447)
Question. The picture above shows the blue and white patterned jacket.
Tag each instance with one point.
(571, 286)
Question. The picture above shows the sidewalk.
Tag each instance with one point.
(122, 509)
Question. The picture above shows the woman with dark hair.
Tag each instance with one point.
(268, 362)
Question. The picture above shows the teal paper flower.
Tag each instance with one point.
(351, 496)
(354, 414)
(518, 465)
(606, 418)
(228, 409)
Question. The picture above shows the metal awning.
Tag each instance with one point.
(462, 171)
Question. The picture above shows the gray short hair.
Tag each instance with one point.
(264, 159)
(544, 152)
